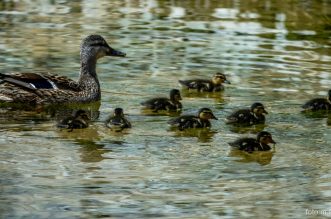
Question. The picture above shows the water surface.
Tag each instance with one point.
(275, 52)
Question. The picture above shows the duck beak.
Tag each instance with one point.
(114, 52)
(227, 82)
(265, 112)
(272, 141)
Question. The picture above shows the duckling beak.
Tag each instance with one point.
(114, 52)
(272, 141)
(227, 82)
(265, 112)
(214, 117)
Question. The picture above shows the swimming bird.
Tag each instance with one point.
(35, 88)
(80, 120)
(204, 85)
(201, 120)
(117, 122)
(171, 104)
(260, 143)
(252, 116)
(318, 104)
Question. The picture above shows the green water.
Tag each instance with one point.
(275, 52)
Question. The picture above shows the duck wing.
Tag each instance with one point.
(35, 81)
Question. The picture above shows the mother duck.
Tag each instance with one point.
(46, 88)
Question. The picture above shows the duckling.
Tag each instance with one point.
(254, 115)
(117, 122)
(191, 121)
(203, 85)
(250, 144)
(79, 121)
(318, 104)
(162, 103)
(45, 88)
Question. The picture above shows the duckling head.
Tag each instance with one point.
(206, 114)
(82, 115)
(219, 78)
(95, 46)
(329, 95)
(175, 95)
(118, 112)
(265, 138)
(258, 109)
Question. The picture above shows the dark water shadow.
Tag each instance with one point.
(13, 113)
(149, 112)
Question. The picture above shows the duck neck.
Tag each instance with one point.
(88, 80)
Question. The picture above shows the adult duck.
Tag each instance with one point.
(45, 88)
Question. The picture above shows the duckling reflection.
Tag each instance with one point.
(117, 122)
(260, 157)
(90, 151)
(254, 129)
(203, 135)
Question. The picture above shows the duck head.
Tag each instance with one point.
(219, 78)
(206, 114)
(95, 47)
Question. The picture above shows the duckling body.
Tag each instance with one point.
(45, 88)
(117, 122)
(318, 104)
(254, 115)
(79, 121)
(192, 121)
(260, 143)
(203, 85)
(171, 104)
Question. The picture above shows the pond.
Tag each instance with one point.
(274, 52)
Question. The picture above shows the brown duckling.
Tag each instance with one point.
(171, 104)
(201, 120)
(251, 144)
(80, 120)
(252, 116)
(117, 122)
(318, 104)
(204, 85)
